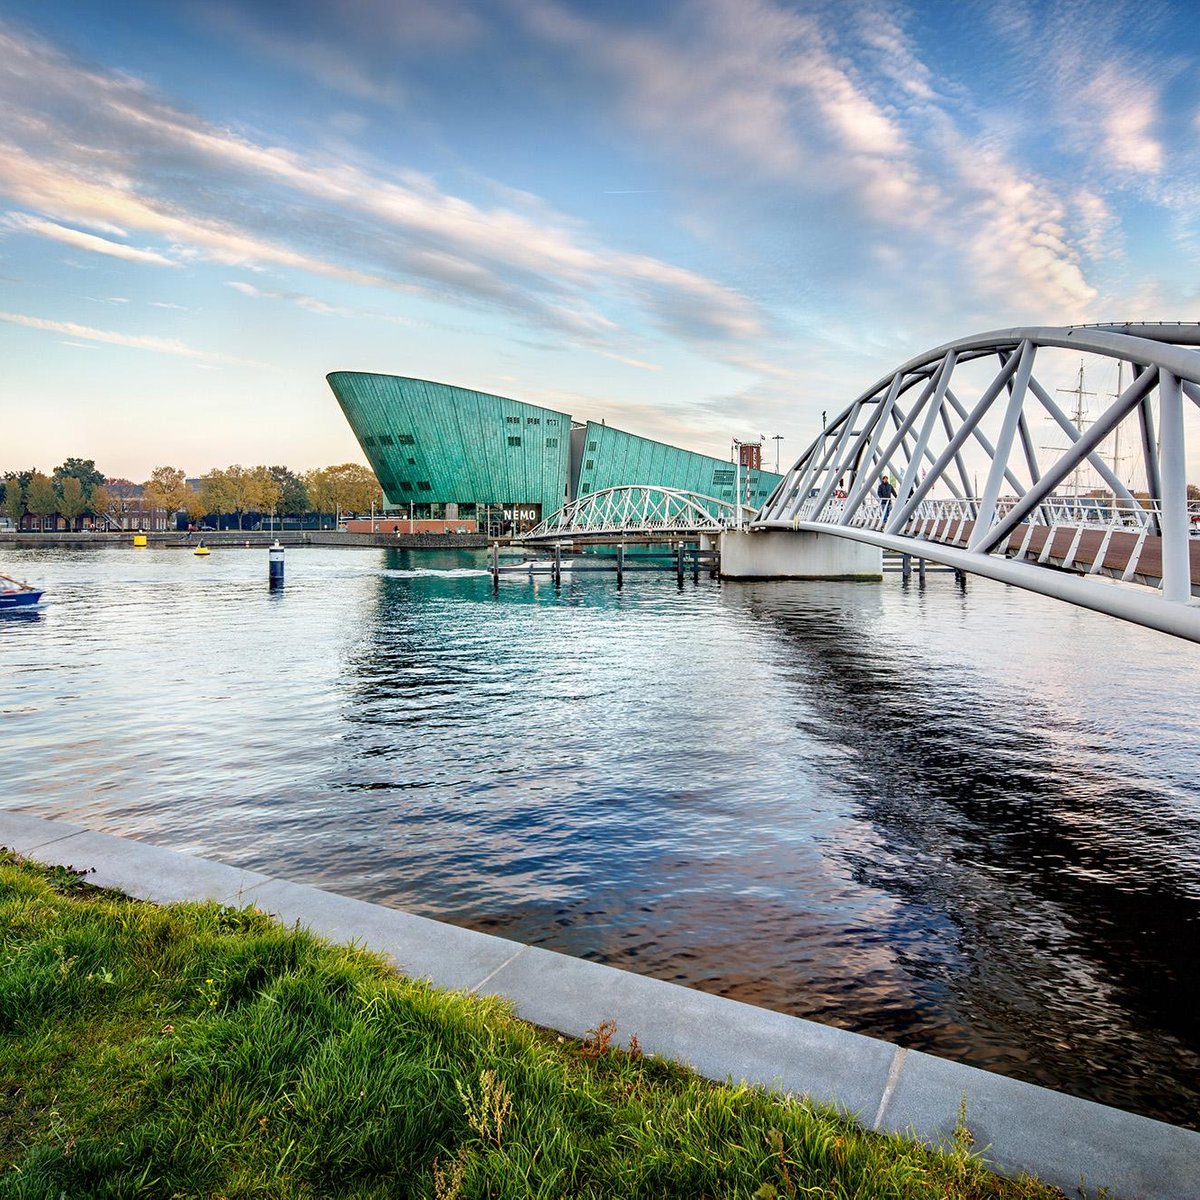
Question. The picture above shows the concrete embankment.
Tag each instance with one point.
(1017, 1126)
(233, 538)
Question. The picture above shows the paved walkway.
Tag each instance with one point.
(1065, 1140)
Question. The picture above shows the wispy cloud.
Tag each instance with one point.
(84, 241)
(89, 158)
(131, 341)
(777, 92)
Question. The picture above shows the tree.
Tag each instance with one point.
(1193, 491)
(40, 497)
(166, 488)
(241, 489)
(71, 500)
(294, 499)
(266, 492)
(216, 494)
(14, 499)
(101, 502)
(121, 494)
(349, 487)
(83, 469)
(193, 505)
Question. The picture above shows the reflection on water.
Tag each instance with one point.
(967, 823)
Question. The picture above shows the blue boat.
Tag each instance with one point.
(14, 594)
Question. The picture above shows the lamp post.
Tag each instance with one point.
(777, 439)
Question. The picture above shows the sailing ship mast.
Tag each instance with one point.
(1081, 419)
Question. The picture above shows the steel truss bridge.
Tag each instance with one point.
(636, 512)
(933, 435)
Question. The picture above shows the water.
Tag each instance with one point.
(963, 822)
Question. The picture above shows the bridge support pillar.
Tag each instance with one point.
(797, 554)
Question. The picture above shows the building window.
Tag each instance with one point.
(551, 443)
(592, 446)
(412, 462)
(513, 420)
(424, 485)
(587, 466)
(514, 441)
(406, 439)
(551, 420)
(386, 439)
(368, 440)
(533, 420)
(405, 486)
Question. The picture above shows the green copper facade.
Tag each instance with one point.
(429, 443)
(610, 457)
(435, 446)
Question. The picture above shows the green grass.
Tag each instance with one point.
(195, 1050)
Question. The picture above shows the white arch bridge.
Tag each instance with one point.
(970, 407)
(636, 511)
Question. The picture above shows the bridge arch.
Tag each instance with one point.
(913, 426)
(644, 510)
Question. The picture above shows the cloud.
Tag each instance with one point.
(85, 146)
(837, 106)
(84, 241)
(132, 341)
(1102, 96)
(301, 299)
(356, 47)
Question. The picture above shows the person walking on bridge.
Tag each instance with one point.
(886, 493)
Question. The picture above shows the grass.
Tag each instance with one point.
(195, 1050)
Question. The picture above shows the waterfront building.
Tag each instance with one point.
(476, 461)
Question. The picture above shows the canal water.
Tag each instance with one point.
(967, 822)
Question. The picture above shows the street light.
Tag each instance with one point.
(777, 439)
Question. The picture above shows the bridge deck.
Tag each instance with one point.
(1120, 548)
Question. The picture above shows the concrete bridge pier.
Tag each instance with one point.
(797, 554)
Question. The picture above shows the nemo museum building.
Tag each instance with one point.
(474, 462)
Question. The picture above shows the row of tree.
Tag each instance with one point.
(77, 488)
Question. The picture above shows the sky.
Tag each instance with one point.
(698, 220)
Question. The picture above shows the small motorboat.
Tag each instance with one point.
(535, 566)
(15, 594)
(540, 566)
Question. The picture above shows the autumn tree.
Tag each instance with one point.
(216, 494)
(194, 506)
(71, 500)
(40, 497)
(121, 493)
(101, 502)
(166, 488)
(14, 498)
(348, 487)
(265, 490)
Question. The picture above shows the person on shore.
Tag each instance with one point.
(886, 493)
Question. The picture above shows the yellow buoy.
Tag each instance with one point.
(201, 549)
(139, 539)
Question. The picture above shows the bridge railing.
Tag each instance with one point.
(1088, 512)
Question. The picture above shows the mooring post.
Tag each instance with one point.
(921, 570)
(679, 564)
(905, 567)
(275, 566)
(557, 564)
(620, 564)
(496, 566)
(696, 563)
